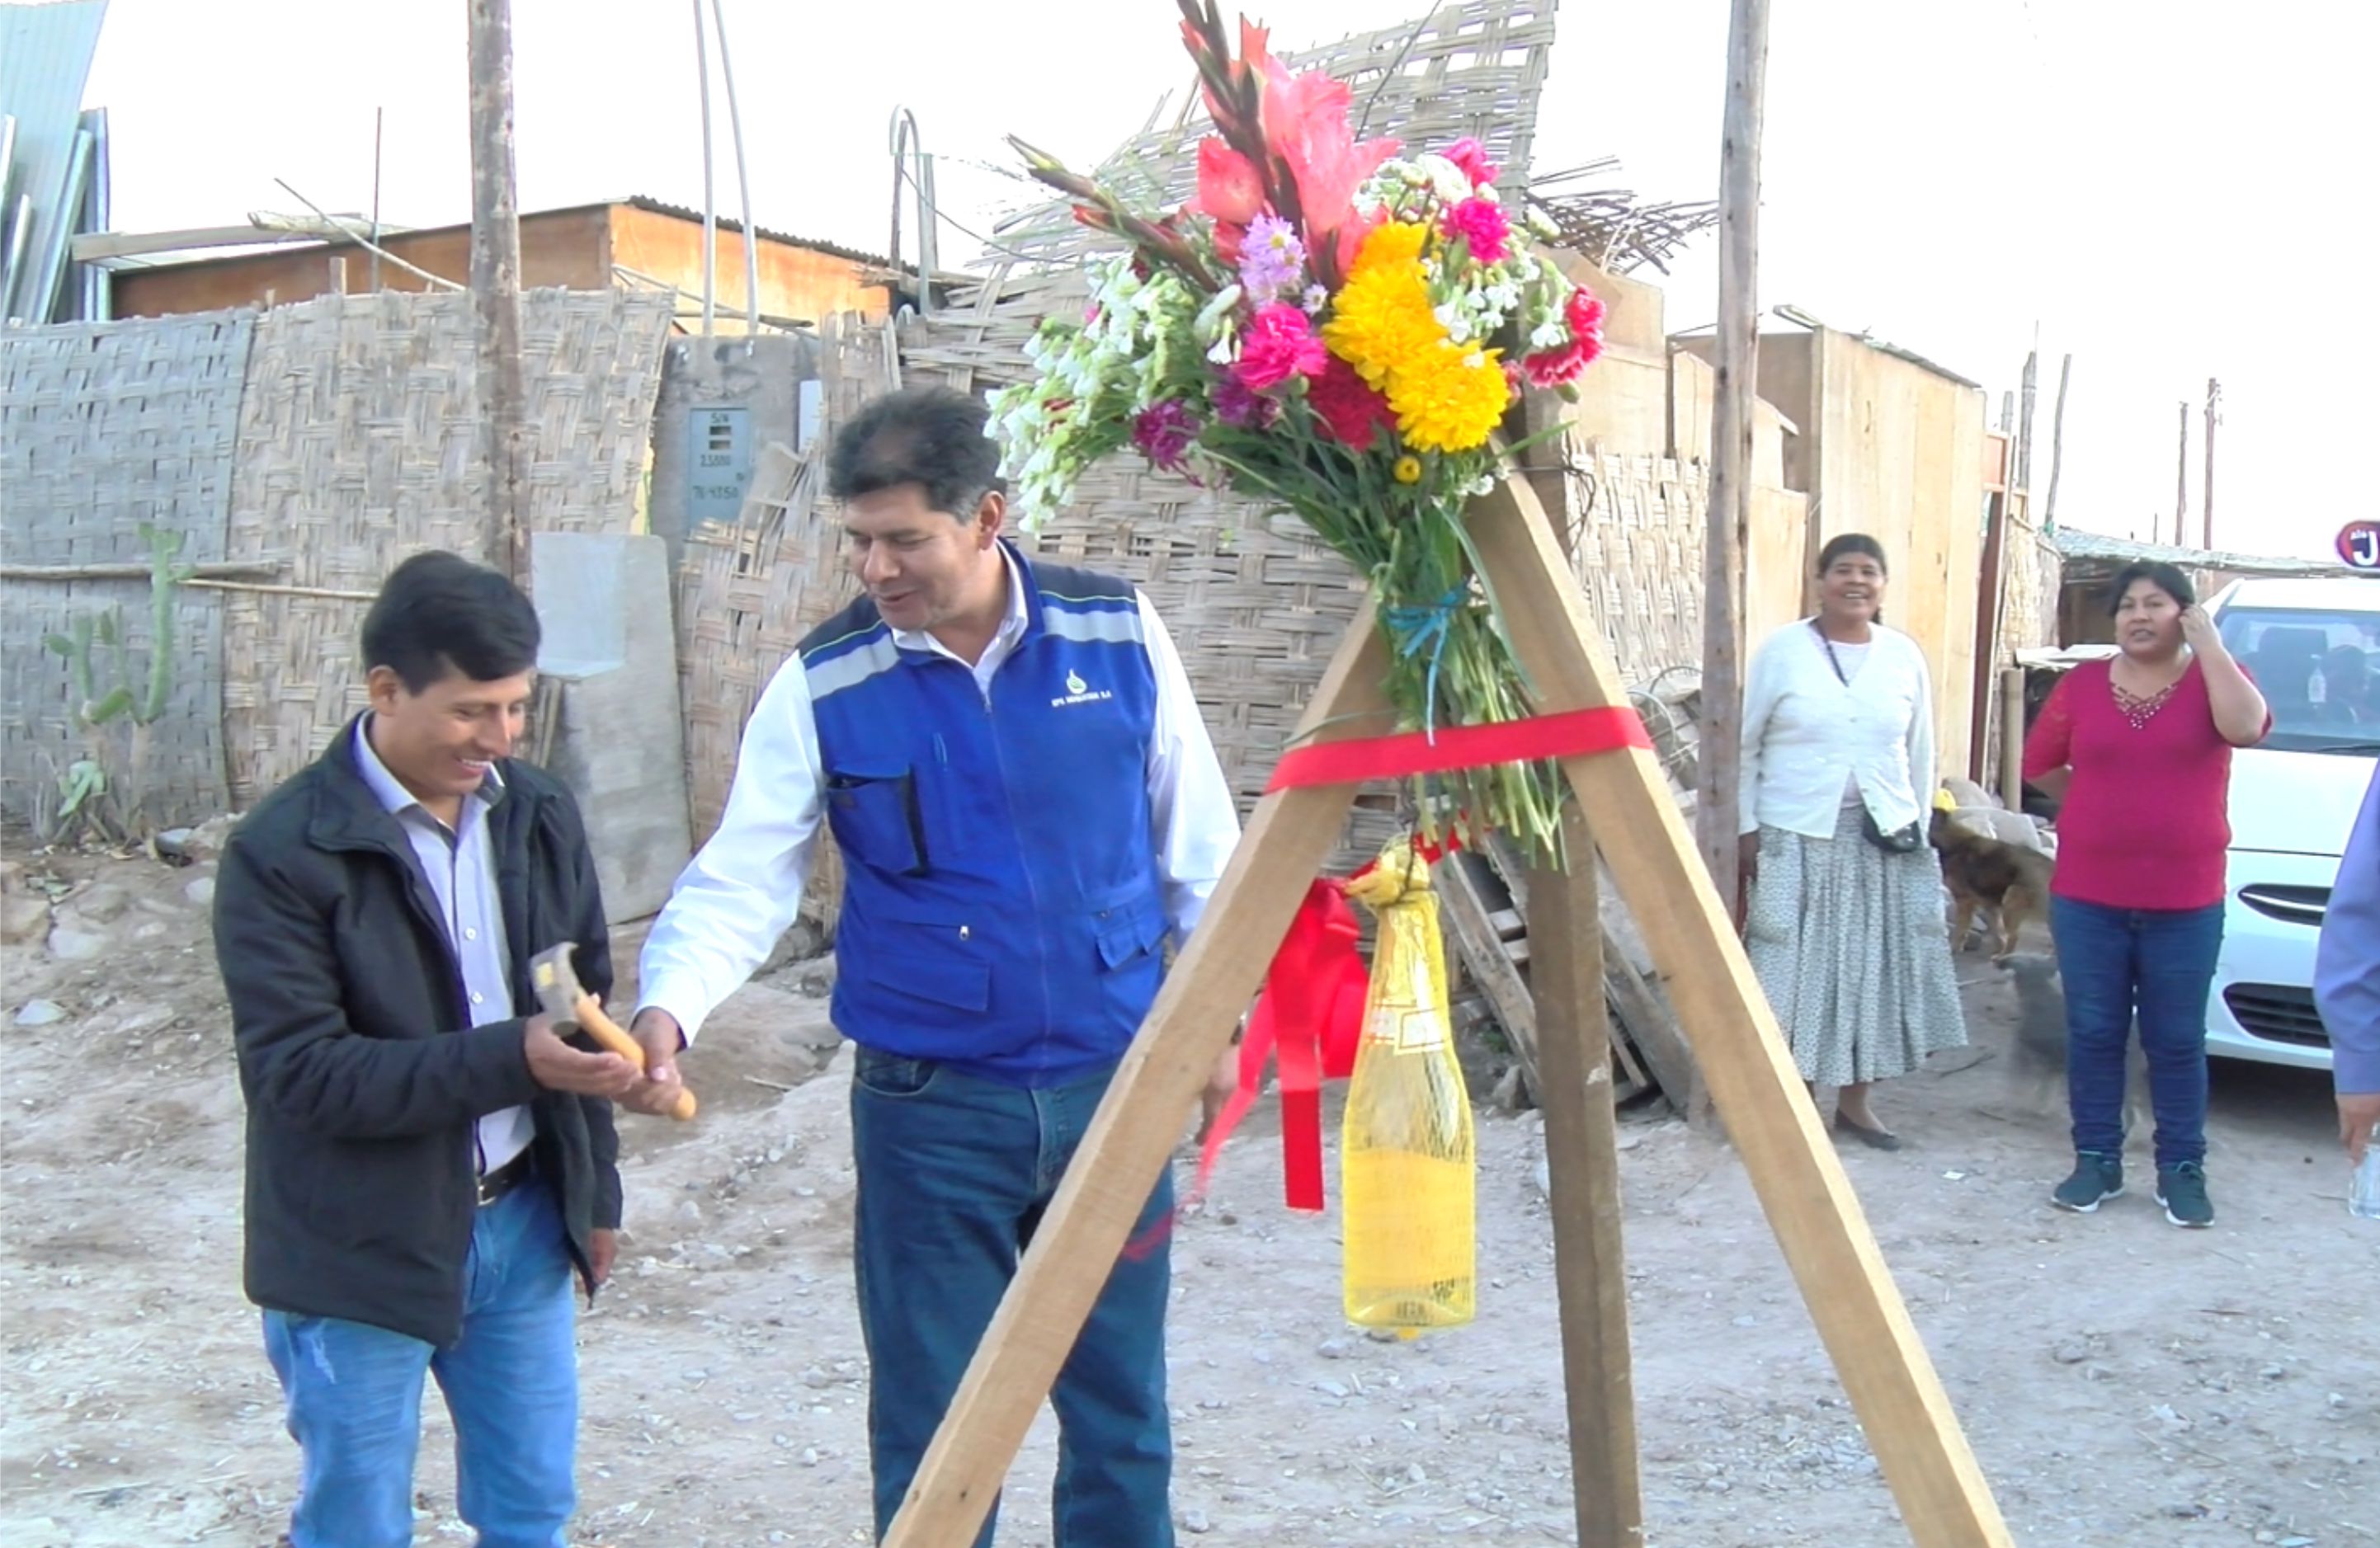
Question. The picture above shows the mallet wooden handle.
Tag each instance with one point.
(609, 1032)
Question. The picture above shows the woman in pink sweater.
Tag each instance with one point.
(2139, 748)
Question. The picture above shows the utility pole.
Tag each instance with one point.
(1736, 372)
(2057, 444)
(495, 287)
(2023, 469)
(2182, 481)
(2206, 485)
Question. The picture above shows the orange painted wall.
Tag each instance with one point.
(795, 283)
(563, 247)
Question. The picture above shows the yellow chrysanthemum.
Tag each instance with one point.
(1449, 401)
(1407, 470)
(1381, 320)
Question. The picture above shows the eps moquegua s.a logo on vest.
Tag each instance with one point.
(1079, 691)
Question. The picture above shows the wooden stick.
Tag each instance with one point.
(2182, 480)
(1735, 372)
(2012, 738)
(1794, 1167)
(2057, 442)
(2207, 486)
(1288, 839)
(127, 572)
(323, 592)
(495, 287)
(1583, 1174)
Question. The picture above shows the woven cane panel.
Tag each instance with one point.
(358, 446)
(1476, 69)
(105, 428)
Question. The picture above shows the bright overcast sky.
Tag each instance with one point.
(2144, 181)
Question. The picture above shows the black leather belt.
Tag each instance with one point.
(504, 1178)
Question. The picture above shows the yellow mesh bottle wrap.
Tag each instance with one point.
(1407, 1161)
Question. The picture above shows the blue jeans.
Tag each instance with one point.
(354, 1396)
(954, 1173)
(2157, 964)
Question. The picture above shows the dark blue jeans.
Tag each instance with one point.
(2157, 964)
(354, 1396)
(954, 1173)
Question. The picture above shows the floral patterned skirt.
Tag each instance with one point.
(1851, 946)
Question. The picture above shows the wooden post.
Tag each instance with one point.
(495, 287)
(2012, 738)
(2181, 480)
(1582, 1176)
(1792, 1162)
(2056, 442)
(335, 282)
(1735, 376)
(2206, 485)
(2020, 474)
(1572, 1025)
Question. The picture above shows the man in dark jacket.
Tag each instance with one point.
(428, 1162)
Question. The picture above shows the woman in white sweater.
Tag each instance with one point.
(1845, 921)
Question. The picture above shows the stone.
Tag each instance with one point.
(40, 1013)
(100, 904)
(23, 918)
(1195, 1521)
(76, 946)
(201, 892)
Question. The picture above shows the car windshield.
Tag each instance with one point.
(2320, 671)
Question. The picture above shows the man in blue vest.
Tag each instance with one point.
(1027, 806)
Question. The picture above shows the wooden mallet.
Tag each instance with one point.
(573, 1008)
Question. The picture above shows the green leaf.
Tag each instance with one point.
(60, 645)
(108, 709)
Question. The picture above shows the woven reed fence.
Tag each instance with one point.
(1474, 69)
(358, 446)
(106, 428)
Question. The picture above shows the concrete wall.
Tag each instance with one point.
(721, 400)
(604, 603)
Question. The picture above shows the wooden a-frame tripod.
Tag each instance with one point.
(1623, 809)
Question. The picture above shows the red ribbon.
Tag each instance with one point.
(1310, 1015)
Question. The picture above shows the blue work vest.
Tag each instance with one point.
(1001, 907)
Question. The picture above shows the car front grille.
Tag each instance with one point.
(2290, 905)
(2278, 1013)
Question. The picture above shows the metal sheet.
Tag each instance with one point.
(94, 287)
(45, 54)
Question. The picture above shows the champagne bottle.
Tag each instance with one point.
(1407, 1157)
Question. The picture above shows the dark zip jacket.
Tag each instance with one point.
(363, 1074)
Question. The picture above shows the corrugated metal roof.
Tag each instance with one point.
(833, 249)
(2099, 548)
(45, 54)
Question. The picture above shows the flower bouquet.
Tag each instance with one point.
(1339, 331)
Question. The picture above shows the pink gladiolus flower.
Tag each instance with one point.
(1279, 343)
(1472, 157)
(1228, 189)
(1482, 225)
(1306, 123)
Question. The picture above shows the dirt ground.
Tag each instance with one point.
(2122, 1381)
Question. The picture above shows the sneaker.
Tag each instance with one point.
(2182, 1189)
(2096, 1178)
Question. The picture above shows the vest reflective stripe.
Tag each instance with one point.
(1002, 910)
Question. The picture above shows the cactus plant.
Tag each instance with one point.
(86, 790)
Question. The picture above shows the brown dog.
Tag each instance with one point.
(1984, 872)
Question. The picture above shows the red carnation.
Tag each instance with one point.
(1347, 407)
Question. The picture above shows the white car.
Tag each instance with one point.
(2314, 648)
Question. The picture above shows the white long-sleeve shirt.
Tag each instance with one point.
(1810, 738)
(741, 892)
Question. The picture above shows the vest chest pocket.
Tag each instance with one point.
(876, 820)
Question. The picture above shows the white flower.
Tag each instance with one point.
(1211, 317)
(1540, 222)
(1226, 350)
(1482, 486)
(1315, 300)
(1451, 318)
(1548, 335)
(1450, 182)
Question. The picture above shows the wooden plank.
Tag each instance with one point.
(1287, 841)
(1794, 1168)
(1487, 956)
(1583, 1169)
